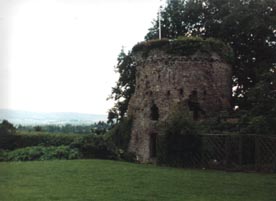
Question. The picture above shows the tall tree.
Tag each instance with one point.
(261, 118)
(124, 88)
(248, 26)
(171, 21)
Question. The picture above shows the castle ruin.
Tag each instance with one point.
(169, 73)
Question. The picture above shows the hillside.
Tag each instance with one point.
(42, 118)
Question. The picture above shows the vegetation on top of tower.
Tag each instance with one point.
(187, 46)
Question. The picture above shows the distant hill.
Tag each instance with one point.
(43, 118)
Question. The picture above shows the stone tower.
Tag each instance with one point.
(191, 72)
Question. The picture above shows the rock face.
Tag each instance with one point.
(201, 81)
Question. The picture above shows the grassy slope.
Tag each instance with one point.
(83, 180)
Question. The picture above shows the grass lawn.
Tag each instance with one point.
(88, 180)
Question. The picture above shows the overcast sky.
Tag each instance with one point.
(59, 55)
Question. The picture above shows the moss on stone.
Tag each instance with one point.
(187, 46)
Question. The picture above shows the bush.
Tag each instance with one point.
(96, 146)
(3, 155)
(8, 141)
(88, 146)
(187, 46)
(127, 156)
(179, 143)
(120, 134)
(40, 153)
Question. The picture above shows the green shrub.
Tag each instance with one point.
(8, 141)
(256, 124)
(151, 44)
(218, 125)
(3, 155)
(179, 142)
(89, 146)
(127, 156)
(41, 153)
(187, 46)
(96, 146)
(120, 134)
(147, 46)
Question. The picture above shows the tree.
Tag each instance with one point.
(100, 128)
(172, 22)
(124, 88)
(7, 128)
(261, 118)
(38, 128)
(248, 26)
(250, 30)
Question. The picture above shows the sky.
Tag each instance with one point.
(59, 55)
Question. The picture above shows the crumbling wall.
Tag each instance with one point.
(201, 81)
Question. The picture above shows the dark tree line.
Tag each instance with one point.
(100, 127)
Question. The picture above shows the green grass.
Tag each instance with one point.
(88, 180)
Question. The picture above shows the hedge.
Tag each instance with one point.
(89, 146)
(16, 141)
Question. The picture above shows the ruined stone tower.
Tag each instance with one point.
(191, 72)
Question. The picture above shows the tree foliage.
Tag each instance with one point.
(124, 88)
(261, 118)
(7, 128)
(248, 26)
(179, 141)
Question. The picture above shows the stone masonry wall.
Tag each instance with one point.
(162, 81)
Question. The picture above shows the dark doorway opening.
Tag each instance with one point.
(153, 144)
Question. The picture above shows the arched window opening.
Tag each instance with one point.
(181, 91)
(147, 84)
(154, 112)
